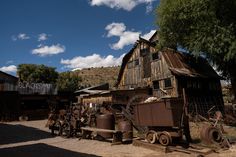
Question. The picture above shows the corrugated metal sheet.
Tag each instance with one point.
(184, 64)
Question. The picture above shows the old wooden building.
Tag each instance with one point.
(9, 97)
(8, 82)
(167, 72)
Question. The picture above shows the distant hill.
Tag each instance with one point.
(96, 76)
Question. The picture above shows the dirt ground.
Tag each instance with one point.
(33, 139)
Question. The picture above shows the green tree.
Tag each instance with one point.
(37, 73)
(202, 27)
(68, 81)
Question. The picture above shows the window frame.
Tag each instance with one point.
(155, 85)
(167, 83)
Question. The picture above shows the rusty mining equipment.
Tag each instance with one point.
(163, 121)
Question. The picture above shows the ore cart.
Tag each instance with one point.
(163, 119)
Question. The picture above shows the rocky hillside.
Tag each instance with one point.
(96, 76)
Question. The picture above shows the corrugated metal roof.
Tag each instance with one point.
(187, 65)
(94, 89)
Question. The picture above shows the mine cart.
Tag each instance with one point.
(163, 119)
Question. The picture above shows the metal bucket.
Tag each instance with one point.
(105, 121)
(126, 128)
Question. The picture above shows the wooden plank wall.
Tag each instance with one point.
(135, 76)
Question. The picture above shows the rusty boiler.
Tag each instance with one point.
(105, 121)
(127, 129)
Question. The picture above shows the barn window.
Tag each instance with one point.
(136, 62)
(167, 83)
(155, 56)
(156, 85)
(144, 51)
(130, 64)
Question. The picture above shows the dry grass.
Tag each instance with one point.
(96, 76)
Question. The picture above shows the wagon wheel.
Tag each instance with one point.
(56, 128)
(151, 136)
(66, 129)
(165, 138)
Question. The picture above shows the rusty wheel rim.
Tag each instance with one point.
(164, 140)
(151, 137)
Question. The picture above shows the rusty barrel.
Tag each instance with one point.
(105, 121)
(126, 128)
(210, 135)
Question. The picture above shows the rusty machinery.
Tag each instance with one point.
(212, 133)
(160, 120)
(68, 122)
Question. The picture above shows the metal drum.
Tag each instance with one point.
(105, 121)
(127, 129)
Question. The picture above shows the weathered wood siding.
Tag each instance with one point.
(160, 72)
(132, 72)
(8, 82)
(141, 70)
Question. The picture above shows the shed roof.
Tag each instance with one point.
(8, 76)
(184, 64)
(94, 89)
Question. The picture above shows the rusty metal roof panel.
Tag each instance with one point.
(187, 65)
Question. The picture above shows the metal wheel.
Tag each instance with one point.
(56, 128)
(165, 138)
(66, 129)
(211, 135)
(151, 136)
(215, 135)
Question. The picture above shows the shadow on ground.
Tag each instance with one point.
(39, 150)
(19, 133)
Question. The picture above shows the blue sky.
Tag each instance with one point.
(71, 34)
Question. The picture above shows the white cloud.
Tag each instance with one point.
(127, 5)
(126, 37)
(23, 36)
(48, 50)
(115, 29)
(94, 60)
(149, 8)
(149, 35)
(20, 36)
(10, 68)
(42, 37)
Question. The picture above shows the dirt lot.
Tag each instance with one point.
(32, 139)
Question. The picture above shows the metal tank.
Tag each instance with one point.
(127, 129)
(105, 121)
